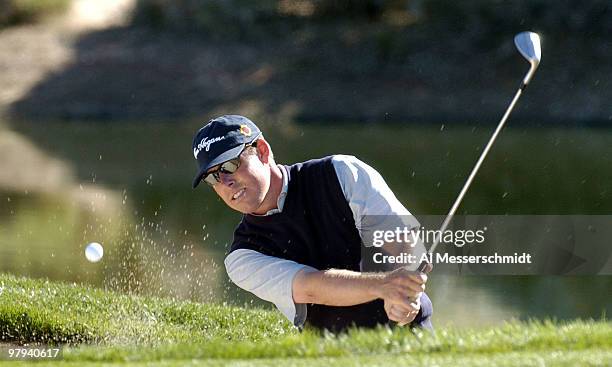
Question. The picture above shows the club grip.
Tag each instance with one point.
(425, 267)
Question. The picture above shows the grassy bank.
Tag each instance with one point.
(100, 326)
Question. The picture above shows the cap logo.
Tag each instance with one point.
(205, 144)
(245, 130)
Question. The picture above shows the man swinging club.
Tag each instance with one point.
(300, 239)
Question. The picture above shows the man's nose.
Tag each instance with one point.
(226, 179)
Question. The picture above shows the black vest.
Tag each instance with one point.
(315, 228)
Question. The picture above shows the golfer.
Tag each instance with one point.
(298, 244)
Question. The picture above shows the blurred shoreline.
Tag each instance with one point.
(86, 68)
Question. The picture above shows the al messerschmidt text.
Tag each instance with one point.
(523, 258)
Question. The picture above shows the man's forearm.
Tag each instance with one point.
(336, 287)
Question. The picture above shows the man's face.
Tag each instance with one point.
(246, 189)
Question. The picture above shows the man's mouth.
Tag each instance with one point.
(238, 194)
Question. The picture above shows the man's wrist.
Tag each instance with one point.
(374, 284)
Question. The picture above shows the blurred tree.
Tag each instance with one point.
(486, 17)
(225, 18)
(240, 17)
(589, 17)
(28, 11)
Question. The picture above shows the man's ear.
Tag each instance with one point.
(263, 150)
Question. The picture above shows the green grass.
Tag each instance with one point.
(117, 329)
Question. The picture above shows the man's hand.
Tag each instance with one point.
(400, 314)
(401, 291)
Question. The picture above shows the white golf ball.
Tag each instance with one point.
(94, 252)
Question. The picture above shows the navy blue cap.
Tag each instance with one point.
(221, 140)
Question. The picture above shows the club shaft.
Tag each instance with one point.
(468, 182)
(483, 155)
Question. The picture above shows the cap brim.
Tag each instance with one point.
(224, 157)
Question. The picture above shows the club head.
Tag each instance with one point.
(528, 44)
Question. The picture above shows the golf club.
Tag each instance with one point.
(528, 44)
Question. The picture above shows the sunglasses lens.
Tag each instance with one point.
(230, 166)
(211, 179)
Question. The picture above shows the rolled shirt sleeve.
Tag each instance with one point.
(269, 278)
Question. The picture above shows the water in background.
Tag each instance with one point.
(129, 188)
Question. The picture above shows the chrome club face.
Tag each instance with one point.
(528, 44)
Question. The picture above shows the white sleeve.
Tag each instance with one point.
(372, 202)
(365, 189)
(269, 278)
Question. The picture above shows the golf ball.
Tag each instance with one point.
(94, 252)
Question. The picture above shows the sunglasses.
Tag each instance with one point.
(228, 168)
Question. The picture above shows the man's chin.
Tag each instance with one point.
(245, 208)
(242, 210)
